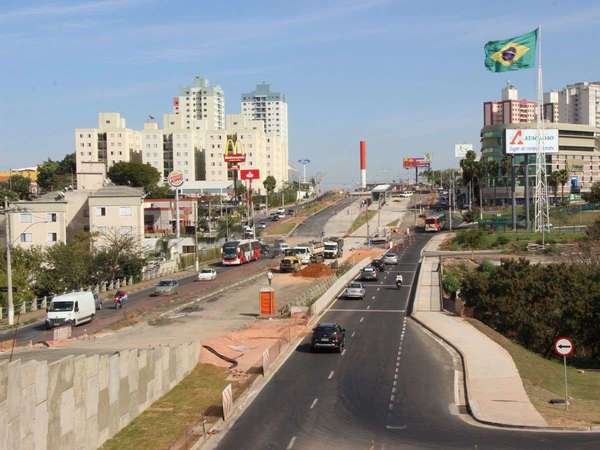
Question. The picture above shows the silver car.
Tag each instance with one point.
(390, 258)
(355, 290)
(166, 287)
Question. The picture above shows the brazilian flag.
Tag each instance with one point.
(511, 54)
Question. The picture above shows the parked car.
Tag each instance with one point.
(280, 211)
(166, 287)
(71, 309)
(207, 274)
(378, 264)
(274, 217)
(368, 273)
(355, 290)
(328, 336)
(262, 225)
(290, 211)
(390, 258)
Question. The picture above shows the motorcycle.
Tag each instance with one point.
(120, 298)
(399, 281)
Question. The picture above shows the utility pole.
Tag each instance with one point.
(9, 293)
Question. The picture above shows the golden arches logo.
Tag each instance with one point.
(231, 148)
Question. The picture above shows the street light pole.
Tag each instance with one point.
(9, 293)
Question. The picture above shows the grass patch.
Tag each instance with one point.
(196, 396)
(544, 380)
(363, 218)
(478, 239)
(280, 228)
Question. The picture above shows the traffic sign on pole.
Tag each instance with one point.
(563, 346)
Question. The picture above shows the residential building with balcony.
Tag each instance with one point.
(201, 102)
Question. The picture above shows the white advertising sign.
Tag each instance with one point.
(460, 150)
(521, 141)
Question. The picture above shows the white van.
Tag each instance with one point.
(71, 309)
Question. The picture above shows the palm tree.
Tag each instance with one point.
(468, 166)
(562, 177)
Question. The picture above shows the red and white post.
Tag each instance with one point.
(363, 164)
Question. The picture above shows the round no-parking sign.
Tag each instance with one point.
(563, 346)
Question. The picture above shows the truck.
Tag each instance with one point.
(290, 264)
(311, 252)
(334, 247)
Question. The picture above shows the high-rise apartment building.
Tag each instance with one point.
(269, 107)
(510, 109)
(110, 143)
(201, 102)
(577, 103)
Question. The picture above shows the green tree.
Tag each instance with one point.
(469, 168)
(56, 175)
(270, 183)
(594, 195)
(18, 184)
(119, 256)
(164, 191)
(134, 174)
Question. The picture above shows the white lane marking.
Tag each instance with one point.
(291, 444)
(353, 333)
(361, 319)
(373, 298)
(377, 291)
(391, 406)
(330, 375)
(396, 427)
(343, 352)
(393, 389)
(371, 310)
(394, 383)
(395, 376)
(314, 402)
(392, 397)
(368, 306)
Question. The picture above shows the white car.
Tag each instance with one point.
(355, 290)
(207, 274)
(390, 258)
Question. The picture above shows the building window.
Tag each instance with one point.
(26, 218)
(125, 211)
(52, 237)
(25, 237)
(51, 217)
(125, 230)
(100, 211)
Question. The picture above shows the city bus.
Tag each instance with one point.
(240, 252)
(435, 223)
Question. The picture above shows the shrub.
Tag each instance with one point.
(486, 266)
(502, 239)
(451, 283)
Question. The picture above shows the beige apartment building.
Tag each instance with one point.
(51, 218)
(577, 103)
(116, 209)
(109, 143)
(201, 102)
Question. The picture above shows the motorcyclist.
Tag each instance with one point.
(399, 281)
(120, 298)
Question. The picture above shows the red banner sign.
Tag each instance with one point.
(234, 157)
(249, 174)
(411, 163)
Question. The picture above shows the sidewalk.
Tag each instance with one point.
(494, 389)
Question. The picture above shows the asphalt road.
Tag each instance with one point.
(390, 389)
(142, 300)
(314, 225)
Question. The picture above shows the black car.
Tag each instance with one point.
(328, 336)
(274, 218)
(378, 264)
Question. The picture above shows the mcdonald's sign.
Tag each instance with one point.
(232, 153)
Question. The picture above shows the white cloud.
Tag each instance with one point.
(64, 9)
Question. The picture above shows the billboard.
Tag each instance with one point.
(460, 150)
(411, 163)
(232, 153)
(522, 141)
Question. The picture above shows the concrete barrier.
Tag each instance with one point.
(80, 402)
(331, 294)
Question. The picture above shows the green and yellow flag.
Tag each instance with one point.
(511, 54)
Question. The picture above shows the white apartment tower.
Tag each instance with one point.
(110, 143)
(201, 102)
(269, 107)
(579, 103)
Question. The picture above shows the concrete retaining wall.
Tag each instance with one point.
(80, 402)
(330, 294)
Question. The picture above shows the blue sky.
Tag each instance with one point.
(406, 76)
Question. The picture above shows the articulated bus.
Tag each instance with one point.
(435, 223)
(240, 252)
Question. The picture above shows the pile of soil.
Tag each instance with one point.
(317, 270)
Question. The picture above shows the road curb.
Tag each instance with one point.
(471, 408)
